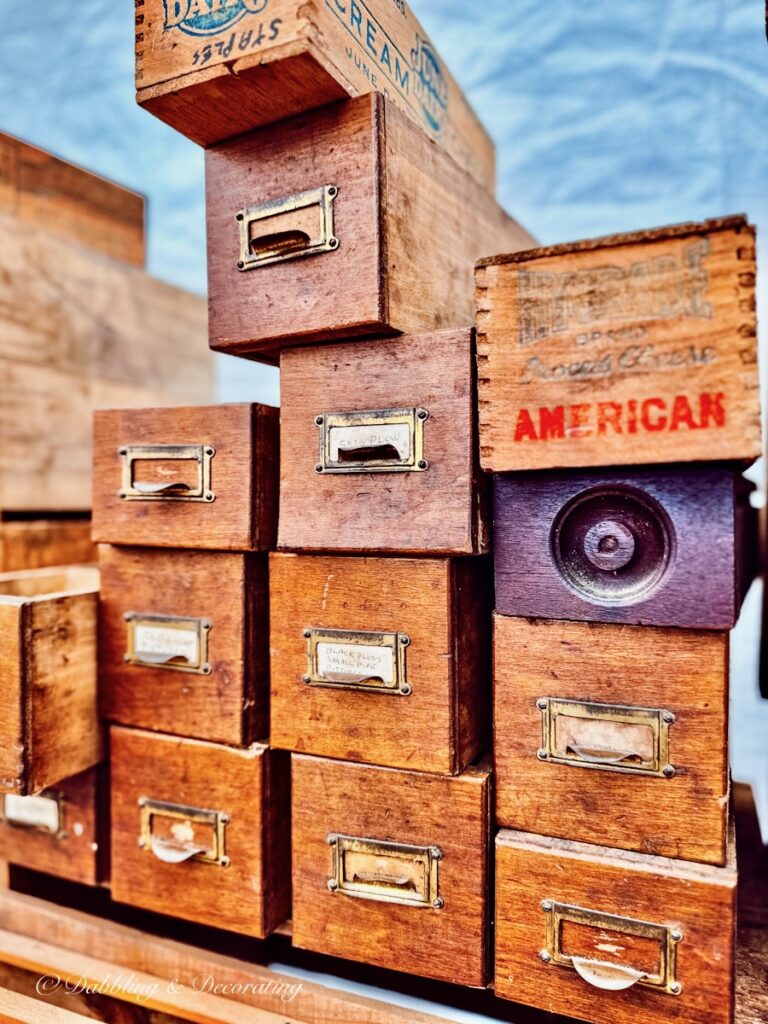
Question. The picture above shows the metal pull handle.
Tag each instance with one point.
(174, 853)
(174, 487)
(155, 658)
(283, 243)
(350, 678)
(596, 755)
(605, 975)
(287, 228)
(370, 877)
(370, 453)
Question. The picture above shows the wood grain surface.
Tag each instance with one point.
(229, 705)
(77, 332)
(442, 606)
(252, 894)
(698, 900)
(637, 348)
(63, 199)
(40, 543)
(682, 671)
(49, 722)
(450, 943)
(80, 851)
(400, 201)
(443, 510)
(695, 585)
(269, 64)
(244, 477)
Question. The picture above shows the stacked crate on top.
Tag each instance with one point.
(619, 404)
(79, 325)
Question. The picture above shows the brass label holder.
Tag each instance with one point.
(182, 846)
(605, 974)
(168, 642)
(387, 872)
(350, 660)
(132, 489)
(287, 228)
(41, 813)
(638, 744)
(374, 441)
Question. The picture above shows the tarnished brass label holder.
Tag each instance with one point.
(387, 872)
(358, 676)
(170, 490)
(373, 441)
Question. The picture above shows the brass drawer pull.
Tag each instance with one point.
(174, 833)
(375, 441)
(611, 737)
(568, 925)
(287, 228)
(164, 641)
(349, 660)
(176, 458)
(373, 869)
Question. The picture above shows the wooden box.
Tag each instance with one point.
(613, 937)
(391, 868)
(379, 447)
(31, 543)
(79, 331)
(201, 831)
(656, 547)
(184, 643)
(38, 188)
(381, 660)
(590, 718)
(200, 477)
(49, 727)
(636, 348)
(340, 223)
(62, 831)
(213, 72)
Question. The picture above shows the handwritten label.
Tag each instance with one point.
(32, 812)
(351, 439)
(159, 644)
(358, 662)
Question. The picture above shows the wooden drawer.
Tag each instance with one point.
(381, 660)
(201, 831)
(653, 547)
(340, 223)
(397, 415)
(184, 645)
(611, 937)
(391, 868)
(49, 725)
(636, 348)
(36, 543)
(212, 76)
(62, 831)
(589, 718)
(200, 477)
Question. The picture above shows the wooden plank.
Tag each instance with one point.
(39, 543)
(19, 1009)
(68, 201)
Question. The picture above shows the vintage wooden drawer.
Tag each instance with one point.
(33, 543)
(49, 728)
(657, 547)
(200, 477)
(391, 868)
(201, 831)
(38, 188)
(636, 348)
(612, 937)
(184, 643)
(397, 416)
(589, 718)
(343, 222)
(61, 831)
(215, 71)
(381, 660)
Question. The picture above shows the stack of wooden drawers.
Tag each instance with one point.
(79, 325)
(615, 591)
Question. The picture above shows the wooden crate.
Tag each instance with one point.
(48, 718)
(635, 348)
(184, 642)
(215, 74)
(391, 867)
(381, 660)
(198, 477)
(343, 222)
(379, 448)
(70, 202)
(612, 937)
(614, 735)
(32, 543)
(200, 831)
